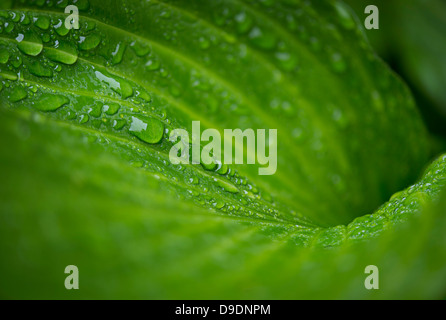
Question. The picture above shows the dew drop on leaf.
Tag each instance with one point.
(118, 53)
(89, 42)
(42, 22)
(17, 94)
(262, 39)
(4, 55)
(141, 49)
(111, 108)
(148, 130)
(63, 52)
(50, 102)
(29, 43)
(39, 70)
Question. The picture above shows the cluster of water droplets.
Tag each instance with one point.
(35, 46)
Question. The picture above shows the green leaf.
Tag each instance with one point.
(411, 36)
(88, 179)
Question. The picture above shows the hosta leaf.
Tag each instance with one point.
(86, 116)
(411, 36)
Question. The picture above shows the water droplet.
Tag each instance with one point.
(50, 102)
(46, 37)
(175, 91)
(228, 186)
(204, 43)
(118, 53)
(152, 64)
(141, 49)
(148, 130)
(377, 101)
(89, 42)
(63, 52)
(39, 70)
(84, 118)
(29, 43)
(16, 62)
(219, 204)
(95, 110)
(118, 124)
(17, 94)
(262, 39)
(60, 28)
(118, 85)
(244, 22)
(24, 19)
(143, 95)
(43, 22)
(4, 56)
(8, 76)
(111, 108)
(9, 27)
(14, 16)
(344, 15)
(223, 169)
(287, 61)
(338, 63)
(210, 167)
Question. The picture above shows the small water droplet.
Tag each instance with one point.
(262, 39)
(287, 61)
(338, 63)
(244, 22)
(152, 64)
(141, 49)
(228, 186)
(204, 43)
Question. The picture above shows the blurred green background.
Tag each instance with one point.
(412, 40)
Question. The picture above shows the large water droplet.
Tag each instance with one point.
(118, 53)
(29, 43)
(148, 130)
(42, 22)
(111, 108)
(17, 94)
(39, 70)
(89, 42)
(63, 52)
(60, 28)
(50, 102)
(118, 85)
(4, 56)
